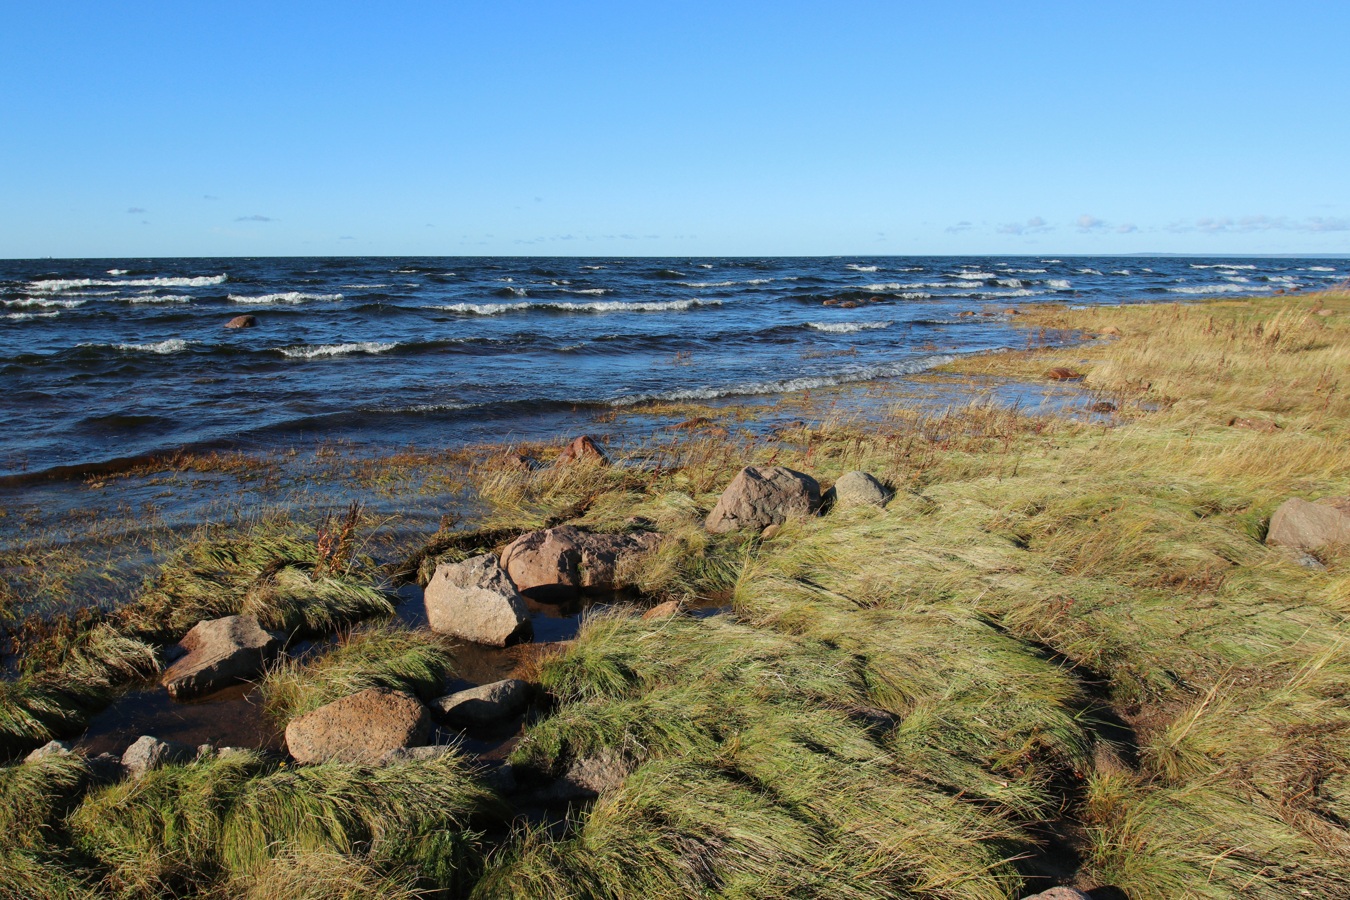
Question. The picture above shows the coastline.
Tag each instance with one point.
(1060, 647)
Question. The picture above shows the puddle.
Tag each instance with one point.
(229, 718)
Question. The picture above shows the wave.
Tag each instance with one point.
(858, 268)
(53, 285)
(160, 348)
(593, 292)
(786, 385)
(23, 317)
(117, 271)
(1060, 284)
(306, 351)
(288, 297)
(846, 327)
(1221, 266)
(166, 298)
(493, 309)
(24, 302)
(1217, 289)
(971, 276)
(1320, 269)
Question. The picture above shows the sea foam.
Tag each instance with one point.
(846, 327)
(288, 297)
(493, 309)
(306, 351)
(53, 285)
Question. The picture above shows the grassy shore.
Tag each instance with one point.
(1061, 654)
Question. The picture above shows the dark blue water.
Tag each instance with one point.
(113, 359)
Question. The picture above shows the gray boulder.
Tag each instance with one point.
(51, 748)
(149, 753)
(218, 653)
(1310, 526)
(361, 728)
(556, 563)
(856, 489)
(587, 778)
(477, 601)
(485, 703)
(758, 498)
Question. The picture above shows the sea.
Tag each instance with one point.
(114, 360)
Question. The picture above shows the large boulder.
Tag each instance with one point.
(556, 563)
(218, 653)
(149, 753)
(758, 498)
(1309, 526)
(476, 600)
(856, 489)
(485, 703)
(360, 728)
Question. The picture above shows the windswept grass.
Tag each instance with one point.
(380, 656)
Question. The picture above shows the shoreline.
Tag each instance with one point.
(1144, 634)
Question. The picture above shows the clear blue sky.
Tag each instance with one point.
(696, 128)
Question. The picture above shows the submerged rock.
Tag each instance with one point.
(242, 322)
(758, 498)
(856, 489)
(485, 703)
(556, 563)
(476, 600)
(149, 753)
(218, 653)
(1310, 526)
(361, 728)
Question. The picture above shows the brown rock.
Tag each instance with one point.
(1309, 526)
(476, 600)
(558, 562)
(1012, 312)
(1059, 373)
(1110, 331)
(1103, 406)
(242, 322)
(583, 447)
(770, 533)
(1326, 312)
(758, 498)
(663, 610)
(696, 422)
(220, 652)
(359, 728)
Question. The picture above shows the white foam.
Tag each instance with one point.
(1221, 266)
(1320, 269)
(25, 302)
(166, 298)
(593, 268)
(372, 287)
(971, 276)
(288, 297)
(1121, 272)
(117, 271)
(64, 284)
(846, 327)
(1029, 271)
(1020, 293)
(1050, 262)
(163, 348)
(1282, 279)
(493, 309)
(594, 292)
(22, 317)
(1218, 289)
(306, 351)
(858, 268)
(869, 373)
(1060, 284)
(1010, 282)
(705, 284)
(705, 265)
(1088, 272)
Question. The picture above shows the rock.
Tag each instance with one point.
(1265, 426)
(51, 748)
(856, 489)
(770, 533)
(501, 779)
(583, 447)
(696, 422)
(556, 563)
(1012, 312)
(1326, 312)
(1103, 406)
(106, 768)
(242, 322)
(757, 498)
(1060, 893)
(485, 703)
(476, 600)
(359, 728)
(1110, 331)
(663, 610)
(586, 779)
(220, 652)
(1059, 373)
(1309, 526)
(150, 753)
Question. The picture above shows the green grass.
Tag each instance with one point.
(381, 656)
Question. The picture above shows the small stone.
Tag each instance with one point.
(1103, 406)
(1265, 426)
(1110, 331)
(857, 489)
(149, 753)
(242, 322)
(360, 728)
(663, 610)
(485, 703)
(51, 748)
(1059, 373)
(476, 600)
(770, 532)
(1059, 893)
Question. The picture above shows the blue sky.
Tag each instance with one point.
(278, 128)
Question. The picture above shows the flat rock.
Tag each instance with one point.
(149, 753)
(218, 653)
(476, 600)
(557, 563)
(1310, 526)
(758, 498)
(485, 703)
(361, 728)
(857, 489)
